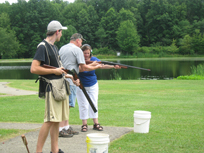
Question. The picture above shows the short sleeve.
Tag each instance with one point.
(40, 53)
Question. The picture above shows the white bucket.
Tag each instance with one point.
(97, 143)
(141, 121)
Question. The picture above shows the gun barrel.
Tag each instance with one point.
(121, 65)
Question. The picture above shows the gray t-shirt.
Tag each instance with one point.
(71, 56)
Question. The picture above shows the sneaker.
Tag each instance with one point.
(65, 134)
(60, 151)
(71, 131)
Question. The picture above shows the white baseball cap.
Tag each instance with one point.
(54, 26)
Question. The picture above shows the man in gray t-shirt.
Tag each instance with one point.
(72, 57)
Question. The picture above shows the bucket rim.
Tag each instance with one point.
(142, 112)
(98, 142)
(142, 117)
(98, 135)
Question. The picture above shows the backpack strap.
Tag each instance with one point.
(43, 43)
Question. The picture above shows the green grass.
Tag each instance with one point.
(190, 77)
(22, 84)
(10, 133)
(176, 106)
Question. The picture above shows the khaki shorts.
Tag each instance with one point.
(56, 111)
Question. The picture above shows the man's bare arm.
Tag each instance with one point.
(84, 67)
(37, 69)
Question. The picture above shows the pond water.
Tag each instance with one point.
(161, 69)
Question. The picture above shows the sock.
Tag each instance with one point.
(66, 127)
(60, 129)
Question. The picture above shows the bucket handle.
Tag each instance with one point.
(141, 123)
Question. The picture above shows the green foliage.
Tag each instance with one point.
(156, 22)
(110, 24)
(161, 51)
(172, 49)
(198, 70)
(66, 35)
(9, 44)
(5, 21)
(197, 73)
(104, 50)
(127, 37)
(125, 15)
(191, 77)
(101, 35)
(198, 42)
(185, 45)
(192, 44)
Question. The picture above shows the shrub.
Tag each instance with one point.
(199, 70)
(197, 73)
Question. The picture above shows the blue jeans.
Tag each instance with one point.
(72, 96)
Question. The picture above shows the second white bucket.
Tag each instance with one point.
(97, 142)
(141, 121)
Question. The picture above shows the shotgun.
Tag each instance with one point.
(75, 76)
(121, 65)
(25, 142)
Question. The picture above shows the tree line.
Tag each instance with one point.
(132, 27)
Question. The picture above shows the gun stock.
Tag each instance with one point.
(25, 142)
(121, 65)
(75, 76)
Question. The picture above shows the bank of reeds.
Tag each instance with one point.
(197, 73)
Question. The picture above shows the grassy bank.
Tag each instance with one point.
(15, 60)
(176, 105)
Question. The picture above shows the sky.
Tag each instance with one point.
(15, 1)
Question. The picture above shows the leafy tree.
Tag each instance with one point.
(125, 15)
(84, 26)
(101, 36)
(185, 45)
(127, 37)
(199, 25)
(159, 18)
(110, 25)
(182, 29)
(9, 45)
(66, 34)
(119, 4)
(139, 23)
(70, 14)
(172, 49)
(4, 7)
(158, 22)
(101, 6)
(198, 42)
(5, 21)
(195, 10)
(93, 26)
